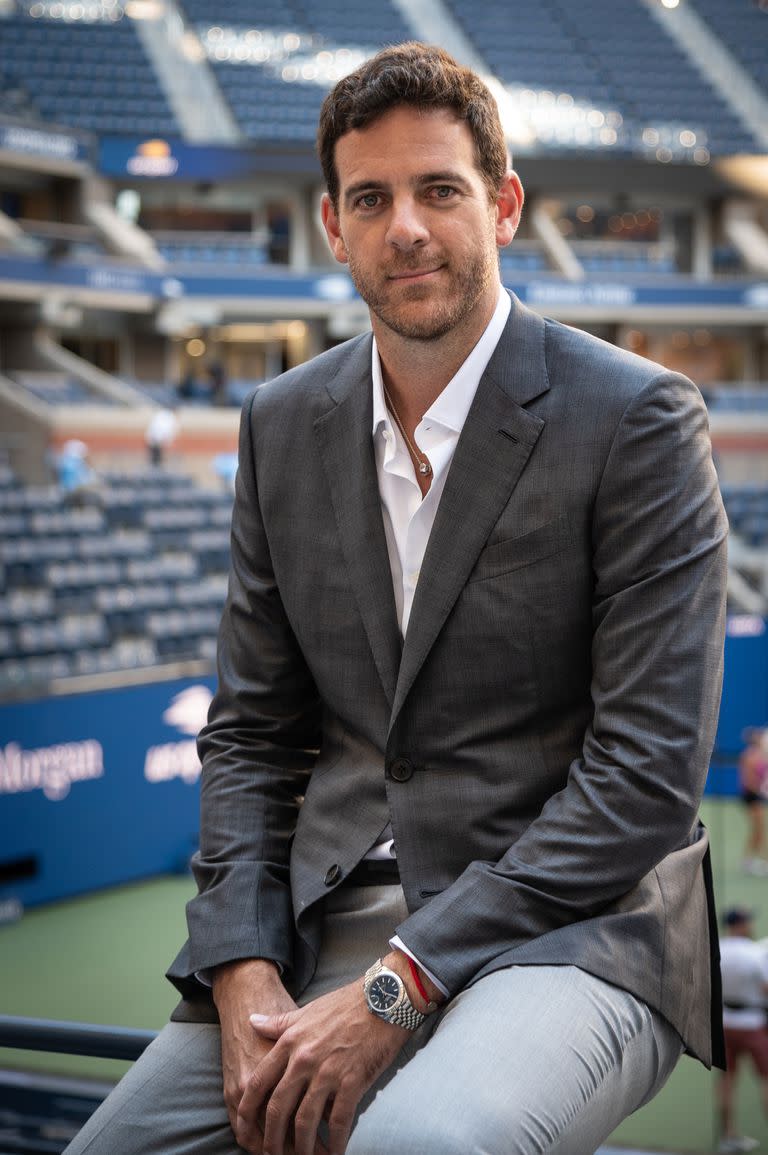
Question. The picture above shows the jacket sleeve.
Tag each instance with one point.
(257, 751)
(658, 613)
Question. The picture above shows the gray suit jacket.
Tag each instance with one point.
(541, 739)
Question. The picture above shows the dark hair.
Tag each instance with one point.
(422, 76)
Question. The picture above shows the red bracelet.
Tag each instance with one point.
(419, 984)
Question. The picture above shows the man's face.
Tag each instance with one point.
(415, 224)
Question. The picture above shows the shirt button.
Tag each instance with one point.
(401, 770)
(332, 874)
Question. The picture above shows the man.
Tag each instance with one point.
(744, 965)
(476, 607)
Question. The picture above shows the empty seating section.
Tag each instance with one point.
(272, 100)
(227, 252)
(135, 580)
(743, 29)
(654, 82)
(747, 509)
(91, 76)
(624, 257)
(523, 257)
(360, 25)
(737, 398)
(267, 108)
(533, 48)
(617, 58)
(56, 388)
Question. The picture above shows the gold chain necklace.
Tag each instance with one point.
(421, 462)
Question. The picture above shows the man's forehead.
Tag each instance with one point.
(409, 117)
(415, 139)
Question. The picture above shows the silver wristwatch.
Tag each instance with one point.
(387, 998)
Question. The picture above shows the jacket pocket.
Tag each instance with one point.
(517, 552)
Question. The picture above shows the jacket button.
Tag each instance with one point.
(332, 874)
(401, 770)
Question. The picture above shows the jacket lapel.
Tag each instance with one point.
(344, 433)
(495, 444)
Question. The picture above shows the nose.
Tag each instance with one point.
(406, 228)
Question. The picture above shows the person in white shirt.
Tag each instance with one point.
(744, 969)
(160, 434)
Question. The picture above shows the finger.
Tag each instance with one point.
(307, 1119)
(341, 1121)
(279, 1114)
(232, 1114)
(250, 1111)
(271, 1026)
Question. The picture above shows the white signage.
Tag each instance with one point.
(52, 769)
(188, 713)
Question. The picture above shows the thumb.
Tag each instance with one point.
(270, 1026)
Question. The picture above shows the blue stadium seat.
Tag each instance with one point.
(85, 75)
(627, 64)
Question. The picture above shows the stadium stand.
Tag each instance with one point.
(747, 508)
(83, 74)
(55, 388)
(626, 66)
(210, 248)
(136, 580)
(263, 56)
(742, 28)
(751, 398)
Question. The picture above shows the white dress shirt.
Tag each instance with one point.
(408, 518)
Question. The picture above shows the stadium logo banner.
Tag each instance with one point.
(188, 712)
(99, 789)
(26, 140)
(52, 769)
(152, 158)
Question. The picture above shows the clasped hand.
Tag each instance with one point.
(324, 1058)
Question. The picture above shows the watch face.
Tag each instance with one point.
(384, 992)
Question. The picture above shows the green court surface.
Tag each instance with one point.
(101, 958)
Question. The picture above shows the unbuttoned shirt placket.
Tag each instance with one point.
(408, 518)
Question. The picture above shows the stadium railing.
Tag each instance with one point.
(95, 1039)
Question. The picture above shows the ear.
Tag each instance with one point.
(509, 206)
(333, 229)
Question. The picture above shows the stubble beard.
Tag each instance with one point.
(468, 284)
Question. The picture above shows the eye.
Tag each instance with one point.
(369, 200)
(443, 192)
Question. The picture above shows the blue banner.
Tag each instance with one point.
(44, 142)
(98, 789)
(157, 158)
(744, 702)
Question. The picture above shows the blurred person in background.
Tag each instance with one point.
(454, 895)
(160, 434)
(217, 378)
(77, 480)
(753, 779)
(744, 968)
(189, 388)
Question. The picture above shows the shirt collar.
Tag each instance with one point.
(451, 407)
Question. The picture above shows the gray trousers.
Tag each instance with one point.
(529, 1060)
